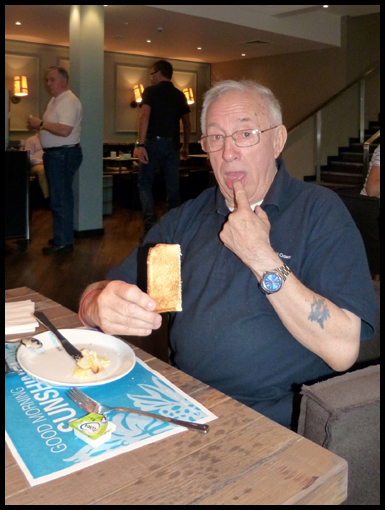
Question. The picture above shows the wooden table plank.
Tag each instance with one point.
(289, 476)
(244, 459)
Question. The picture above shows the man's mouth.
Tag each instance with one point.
(230, 177)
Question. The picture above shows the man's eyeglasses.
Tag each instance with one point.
(243, 138)
(154, 72)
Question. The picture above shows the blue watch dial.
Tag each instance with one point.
(272, 282)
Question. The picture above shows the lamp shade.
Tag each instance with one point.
(138, 91)
(20, 86)
(189, 95)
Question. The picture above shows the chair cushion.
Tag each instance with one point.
(342, 414)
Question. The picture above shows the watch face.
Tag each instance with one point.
(272, 282)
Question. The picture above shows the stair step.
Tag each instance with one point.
(354, 157)
(335, 185)
(346, 167)
(342, 178)
(359, 147)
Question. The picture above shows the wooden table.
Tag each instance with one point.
(244, 459)
(120, 161)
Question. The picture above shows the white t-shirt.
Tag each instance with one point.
(64, 109)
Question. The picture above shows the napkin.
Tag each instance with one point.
(19, 318)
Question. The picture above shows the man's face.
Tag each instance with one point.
(154, 76)
(55, 83)
(253, 166)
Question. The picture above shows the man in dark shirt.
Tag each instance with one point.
(276, 289)
(159, 145)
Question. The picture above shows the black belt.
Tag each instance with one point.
(163, 138)
(47, 149)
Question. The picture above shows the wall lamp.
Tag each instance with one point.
(189, 95)
(137, 98)
(20, 88)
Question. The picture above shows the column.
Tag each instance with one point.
(87, 83)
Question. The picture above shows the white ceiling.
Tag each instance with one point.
(223, 32)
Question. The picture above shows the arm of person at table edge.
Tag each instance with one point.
(329, 331)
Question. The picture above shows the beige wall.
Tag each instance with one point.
(302, 81)
(43, 56)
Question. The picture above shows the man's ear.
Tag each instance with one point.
(280, 137)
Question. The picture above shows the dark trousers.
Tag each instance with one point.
(166, 155)
(60, 166)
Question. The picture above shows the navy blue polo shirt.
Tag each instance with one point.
(228, 334)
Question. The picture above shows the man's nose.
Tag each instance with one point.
(230, 150)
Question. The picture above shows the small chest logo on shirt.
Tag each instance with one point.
(283, 256)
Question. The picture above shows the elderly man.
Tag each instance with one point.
(276, 286)
(60, 139)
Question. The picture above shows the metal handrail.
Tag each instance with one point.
(366, 152)
(317, 111)
(363, 76)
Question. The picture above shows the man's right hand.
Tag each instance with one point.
(142, 155)
(121, 309)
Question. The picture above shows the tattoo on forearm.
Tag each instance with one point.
(319, 312)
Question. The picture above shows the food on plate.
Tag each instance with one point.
(164, 283)
(89, 362)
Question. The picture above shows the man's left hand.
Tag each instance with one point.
(33, 123)
(246, 233)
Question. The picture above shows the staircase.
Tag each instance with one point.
(346, 169)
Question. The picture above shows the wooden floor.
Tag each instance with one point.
(63, 277)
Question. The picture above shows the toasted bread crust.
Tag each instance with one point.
(163, 277)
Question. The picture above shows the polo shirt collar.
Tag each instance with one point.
(279, 188)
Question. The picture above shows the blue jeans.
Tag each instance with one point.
(60, 166)
(165, 155)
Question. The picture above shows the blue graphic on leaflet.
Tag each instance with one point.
(37, 415)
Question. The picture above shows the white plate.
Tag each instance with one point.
(49, 364)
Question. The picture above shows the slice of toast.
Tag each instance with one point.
(163, 277)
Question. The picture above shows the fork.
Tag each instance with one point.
(92, 406)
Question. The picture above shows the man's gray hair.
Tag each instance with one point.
(220, 88)
(61, 70)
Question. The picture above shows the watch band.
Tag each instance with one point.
(284, 271)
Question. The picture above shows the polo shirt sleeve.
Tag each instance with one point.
(335, 265)
(147, 96)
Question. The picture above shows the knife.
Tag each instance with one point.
(68, 347)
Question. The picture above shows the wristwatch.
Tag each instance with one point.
(41, 125)
(272, 281)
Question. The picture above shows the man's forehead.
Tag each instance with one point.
(244, 107)
(52, 74)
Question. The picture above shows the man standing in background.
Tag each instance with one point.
(159, 142)
(60, 139)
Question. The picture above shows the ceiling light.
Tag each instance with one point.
(199, 48)
(243, 54)
(17, 23)
(325, 6)
(148, 40)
